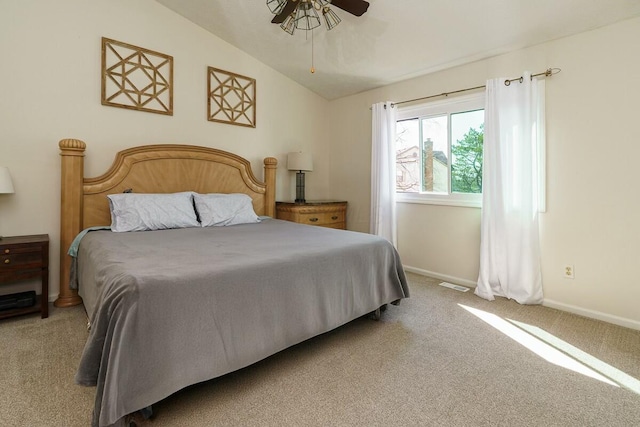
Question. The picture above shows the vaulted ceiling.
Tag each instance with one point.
(398, 39)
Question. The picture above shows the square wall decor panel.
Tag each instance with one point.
(136, 78)
(231, 98)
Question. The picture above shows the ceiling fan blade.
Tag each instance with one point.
(288, 8)
(354, 7)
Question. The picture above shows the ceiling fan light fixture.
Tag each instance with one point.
(331, 19)
(306, 17)
(319, 4)
(276, 6)
(289, 24)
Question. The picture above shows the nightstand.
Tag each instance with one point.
(23, 258)
(324, 213)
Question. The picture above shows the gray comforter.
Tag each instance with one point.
(176, 307)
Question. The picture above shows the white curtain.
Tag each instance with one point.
(513, 143)
(383, 171)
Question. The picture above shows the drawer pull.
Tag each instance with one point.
(313, 219)
(334, 217)
(7, 261)
(6, 251)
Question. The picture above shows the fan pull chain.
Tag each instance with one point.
(313, 70)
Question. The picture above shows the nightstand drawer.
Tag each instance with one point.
(321, 218)
(20, 260)
(15, 275)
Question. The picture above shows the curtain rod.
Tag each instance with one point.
(547, 73)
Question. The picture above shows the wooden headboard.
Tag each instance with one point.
(149, 169)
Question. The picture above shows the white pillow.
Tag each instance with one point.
(224, 209)
(141, 212)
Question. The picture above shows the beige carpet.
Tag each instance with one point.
(428, 362)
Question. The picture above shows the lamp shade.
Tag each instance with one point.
(276, 6)
(6, 185)
(299, 162)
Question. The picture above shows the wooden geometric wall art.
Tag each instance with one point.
(136, 78)
(231, 98)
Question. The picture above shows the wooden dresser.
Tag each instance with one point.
(324, 213)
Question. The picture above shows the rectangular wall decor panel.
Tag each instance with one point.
(136, 78)
(231, 98)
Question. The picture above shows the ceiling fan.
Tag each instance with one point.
(303, 14)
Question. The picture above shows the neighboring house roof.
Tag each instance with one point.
(440, 156)
(407, 152)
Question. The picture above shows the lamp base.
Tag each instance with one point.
(300, 187)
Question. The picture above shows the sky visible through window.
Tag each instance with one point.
(462, 122)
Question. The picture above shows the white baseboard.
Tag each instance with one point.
(592, 314)
(445, 277)
(53, 297)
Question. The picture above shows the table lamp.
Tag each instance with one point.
(300, 162)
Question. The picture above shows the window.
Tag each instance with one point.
(439, 152)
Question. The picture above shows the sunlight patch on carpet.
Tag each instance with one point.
(538, 346)
(623, 379)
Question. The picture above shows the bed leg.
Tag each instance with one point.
(138, 417)
(147, 413)
(377, 313)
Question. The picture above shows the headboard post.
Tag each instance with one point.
(72, 154)
(270, 166)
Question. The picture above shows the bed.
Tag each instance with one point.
(173, 307)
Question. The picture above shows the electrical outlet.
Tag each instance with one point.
(568, 272)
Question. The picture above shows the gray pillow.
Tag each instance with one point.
(142, 212)
(224, 209)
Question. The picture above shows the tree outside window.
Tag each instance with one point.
(466, 165)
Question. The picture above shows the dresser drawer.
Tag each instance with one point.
(321, 218)
(332, 214)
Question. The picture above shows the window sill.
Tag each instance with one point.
(465, 201)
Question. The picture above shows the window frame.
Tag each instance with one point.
(447, 107)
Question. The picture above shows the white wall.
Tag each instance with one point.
(592, 156)
(50, 78)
